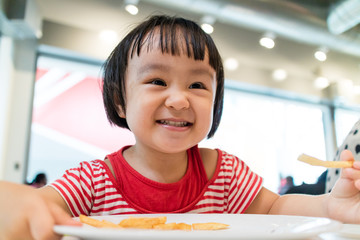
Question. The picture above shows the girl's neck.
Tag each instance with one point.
(157, 166)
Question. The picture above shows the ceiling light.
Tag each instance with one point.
(279, 75)
(321, 82)
(356, 87)
(206, 24)
(356, 90)
(207, 28)
(108, 36)
(39, 34)
(267, 40)
(321, 54)
(346, 88)
(231, 64)
(131, 6)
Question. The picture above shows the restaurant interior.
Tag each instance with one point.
(292, 80)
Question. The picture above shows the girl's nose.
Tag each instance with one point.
(177, 100)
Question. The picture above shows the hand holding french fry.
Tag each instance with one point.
(343, 203)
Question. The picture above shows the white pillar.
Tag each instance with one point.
(17, 67)
(18, 48)
(6, 70)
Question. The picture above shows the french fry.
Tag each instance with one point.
(183, 226)
(144, 223)
(328, 164)
(209, 226)
(165, 226)
(173, 226)
(97, 223)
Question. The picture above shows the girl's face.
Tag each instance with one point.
(169, 99)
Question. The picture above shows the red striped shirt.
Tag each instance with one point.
(91, 189)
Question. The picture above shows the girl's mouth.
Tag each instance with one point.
(174, 123)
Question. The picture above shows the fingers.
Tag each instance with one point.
(30, 219)
(349, 183)
(346, 155)
(53, 215)
(351, 174)
(61, 217)
(42, 222)
(17, 230)
(356, 165)
(357, 184)
(28, 215)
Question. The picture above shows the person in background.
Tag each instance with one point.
(39, 181)
(285, 184)
(351, 143)
(164, 82)
(312, 189)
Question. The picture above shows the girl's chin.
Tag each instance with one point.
(173, 147)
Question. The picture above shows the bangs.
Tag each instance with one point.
(173, 37)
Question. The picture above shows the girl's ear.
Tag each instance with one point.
(120, 111)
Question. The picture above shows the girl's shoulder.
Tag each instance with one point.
(214, 159)
(214, 156)
(217, 158)
(209, 158)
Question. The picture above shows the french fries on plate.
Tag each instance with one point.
(158, 223)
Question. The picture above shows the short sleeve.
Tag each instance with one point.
(76, 186)
(244, 186)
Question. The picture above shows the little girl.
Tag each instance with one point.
(165, 83)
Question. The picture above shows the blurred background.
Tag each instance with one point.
(292, 72)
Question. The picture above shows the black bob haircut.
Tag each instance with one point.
(197, 43)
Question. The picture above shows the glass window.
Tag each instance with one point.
(344, 121)
(269, 134)
(69, 122)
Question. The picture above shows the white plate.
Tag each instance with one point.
(350, 231)
(242, 226)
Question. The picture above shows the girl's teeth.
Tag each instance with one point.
(172, 123)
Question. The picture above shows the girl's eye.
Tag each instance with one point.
(197, 85)
(158, 82)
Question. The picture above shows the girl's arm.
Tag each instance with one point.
(343, 203)
(28, 213)
(268, 202)
(300, 204)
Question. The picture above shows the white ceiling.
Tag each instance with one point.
(290, 20)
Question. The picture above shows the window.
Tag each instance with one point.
(344, 121)
(269, 134)
(69, 122)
